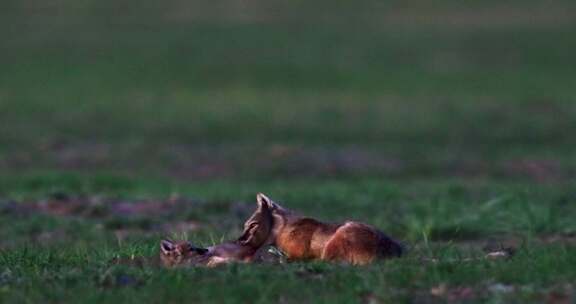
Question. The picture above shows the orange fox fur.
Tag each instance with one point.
(303, 238)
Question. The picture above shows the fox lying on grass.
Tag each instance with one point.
(245, 249)
(183, 253)
(304, 238)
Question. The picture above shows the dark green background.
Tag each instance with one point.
(448, 124)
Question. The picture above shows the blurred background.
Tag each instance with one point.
(257, 89)
(448, 124)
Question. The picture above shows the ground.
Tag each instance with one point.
(447, 126)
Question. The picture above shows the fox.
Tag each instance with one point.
(245, 249)
(304, 238)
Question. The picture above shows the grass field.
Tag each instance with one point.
(449, 126)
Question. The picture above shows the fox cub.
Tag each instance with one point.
(245, 249)
(304, 238)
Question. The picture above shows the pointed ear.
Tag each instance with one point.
(167, 246)
(264, 201)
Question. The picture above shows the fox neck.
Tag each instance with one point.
(247, 249)
(281, 219)
(232, 250)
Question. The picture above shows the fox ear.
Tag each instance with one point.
(167, 246)
(264, 201)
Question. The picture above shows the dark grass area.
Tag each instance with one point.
(486, 101)
(441, 209)
(448, 125)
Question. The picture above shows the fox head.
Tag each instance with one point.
(258, 227)
(176, 253)
(268, 214)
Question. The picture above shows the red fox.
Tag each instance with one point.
(303, 238)
(244, 250)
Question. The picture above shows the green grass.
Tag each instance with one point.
(450, 221)
(87, 274)
(447, 124)
(425, 99)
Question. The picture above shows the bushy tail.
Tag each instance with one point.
(390, 247)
